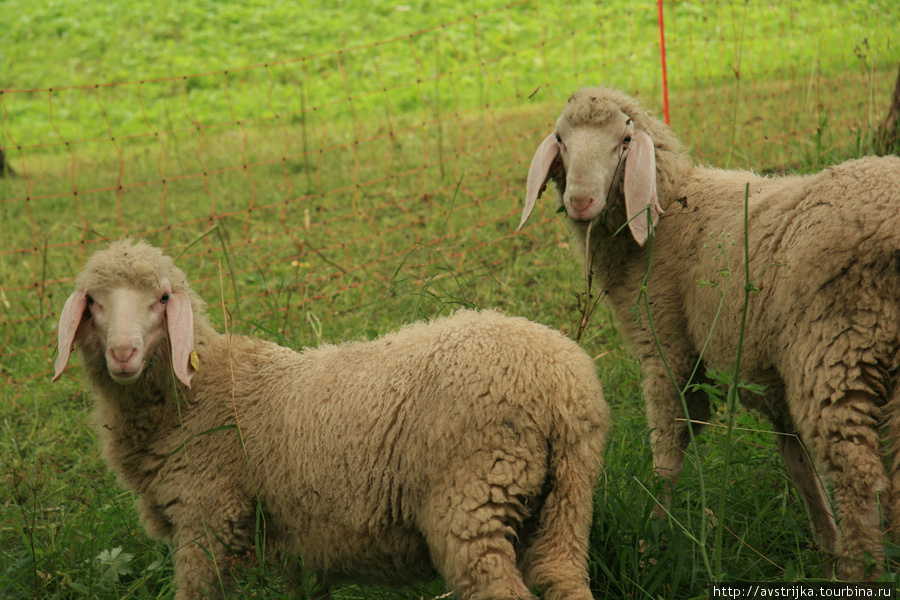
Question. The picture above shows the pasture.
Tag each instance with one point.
(330, 173)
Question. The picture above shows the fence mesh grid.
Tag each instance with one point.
(331, 173)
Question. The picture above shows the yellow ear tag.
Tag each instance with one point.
(195, 360)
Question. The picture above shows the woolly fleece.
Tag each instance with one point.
(470, 446)
(823, 327)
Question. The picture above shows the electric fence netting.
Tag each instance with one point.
(312, 185)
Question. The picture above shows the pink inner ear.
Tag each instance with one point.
(640, 187)
(69, 320)
(538, 174)
(180, 320)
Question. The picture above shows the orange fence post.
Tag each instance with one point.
(662, 57)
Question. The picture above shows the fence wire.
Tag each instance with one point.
(311, 185)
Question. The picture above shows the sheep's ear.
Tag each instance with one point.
(69, 320)
(546, 154)
(640, 187)
(180, 319)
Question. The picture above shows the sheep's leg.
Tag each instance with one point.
(154, 520)
(470, 539)
(669, 433)
(809, 485)
(892, 434)
(204, 539)
(197, 575)
(556, 558)
(845, 436)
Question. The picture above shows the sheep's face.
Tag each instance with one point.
(128, 324)
(595, 147)
(592, 157)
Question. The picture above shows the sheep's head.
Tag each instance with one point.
(126, 300)
(594, 144)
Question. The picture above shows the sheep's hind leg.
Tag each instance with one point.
(470, 539)
(809, 485)
(892, 435)
(555, 558)
(846, 437)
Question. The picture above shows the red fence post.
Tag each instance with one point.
(662, 56)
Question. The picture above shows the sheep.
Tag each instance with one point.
(469, 446)
(823, 326)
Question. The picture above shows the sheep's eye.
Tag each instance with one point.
(164, 298)
(627, 140)
(558, 139)
(90, 299)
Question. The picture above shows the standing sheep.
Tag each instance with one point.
(470, 445)
(823, 331)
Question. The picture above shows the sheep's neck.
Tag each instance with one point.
(610, 247)
(135, 419)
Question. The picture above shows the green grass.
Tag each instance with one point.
(371, 175)
(131, 68)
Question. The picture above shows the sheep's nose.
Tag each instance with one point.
(122, 354)
(580, 204)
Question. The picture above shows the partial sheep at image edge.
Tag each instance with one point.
(823, 327)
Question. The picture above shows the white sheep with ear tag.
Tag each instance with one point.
(823, 328)
(469, 446)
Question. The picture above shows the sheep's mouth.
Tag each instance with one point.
(585, 216)
(582, 223)
(124, 376)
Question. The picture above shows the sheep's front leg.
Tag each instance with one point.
(204, 541)
(200, 574)
(669, 434)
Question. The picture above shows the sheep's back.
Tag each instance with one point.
(414, 399)
(823, 258)
(352, 439)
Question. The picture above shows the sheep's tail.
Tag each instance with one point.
(556, 558)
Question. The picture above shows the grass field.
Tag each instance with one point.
(329, 174)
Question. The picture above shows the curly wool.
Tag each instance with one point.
(823, 326)
(468, 445)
